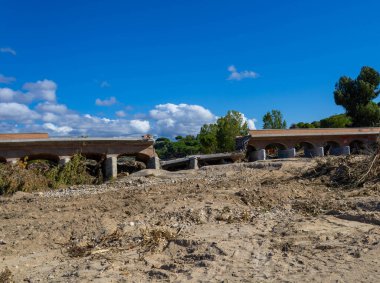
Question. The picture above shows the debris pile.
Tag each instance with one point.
(349, 171)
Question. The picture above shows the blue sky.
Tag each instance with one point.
(110, 68)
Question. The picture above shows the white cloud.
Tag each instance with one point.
(106, 102)
(235, 75)
(50, 117)
(35, 91)
(64, 130)
(6, 80)
(180, 119)
(140, 126)
(250, 122)
(41, 90)
(8, 50)
(52, 107)
(17, 112)
(120, 113)
(104, 84)
(56, 118)
(8, 95)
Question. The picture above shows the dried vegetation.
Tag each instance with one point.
(148, 240)
(6, 276)
(39, 175)
(348, 171)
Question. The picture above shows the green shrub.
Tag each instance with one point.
(73, 173)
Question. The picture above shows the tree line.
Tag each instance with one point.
(356, 96)
(212, 138)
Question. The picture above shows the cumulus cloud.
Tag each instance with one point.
(35, 108)
(6, 80)
(41, 90)
(64, 130)
(140, 126)
(9, 95)
(57, 119)
(98, 126)
(52, 107)
(180, 119)
(44, 90)
(250, 122)
(8, 50)
(50, 117)
(238, 76)
(17, 112)
(106, 102)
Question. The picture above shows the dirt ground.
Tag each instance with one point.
(249, 222)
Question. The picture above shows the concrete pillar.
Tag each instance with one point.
(154, 163)
(193, 163)
(346, 150)
(63, 160)
(287, 153)
(12, 160)
(110, 167)
(343, 150)
(257, 155)
(314, 152)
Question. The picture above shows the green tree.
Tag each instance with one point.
(228, 128)
(183, 146)
(218, 137)
(221, 137)
(274, 120)
(207, 138)
(336, 121)
(356, 96)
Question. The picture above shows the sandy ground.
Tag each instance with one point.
(252, 222)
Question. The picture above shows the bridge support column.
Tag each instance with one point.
(287, 153)
(193, 163)
(154, 163)
(63, 160)
(110, 166)
(314, 152)
(257, 155)
(343, 150)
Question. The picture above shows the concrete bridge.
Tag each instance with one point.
(312, 142)
(199, 160)
(14, 147)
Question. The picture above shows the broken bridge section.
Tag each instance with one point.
(288, 143)
(60, 150)
(196, 161)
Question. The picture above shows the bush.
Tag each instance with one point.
(73, 173)
(16, 177)
(25, 178)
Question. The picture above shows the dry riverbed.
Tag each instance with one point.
(249, 222)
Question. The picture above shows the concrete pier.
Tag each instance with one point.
(314, 152)
(257, 155)
(193, 163)
(287, 153)
(343, 150)
(154, 163)
(110, 166)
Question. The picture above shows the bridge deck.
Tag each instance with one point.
(314, 132)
